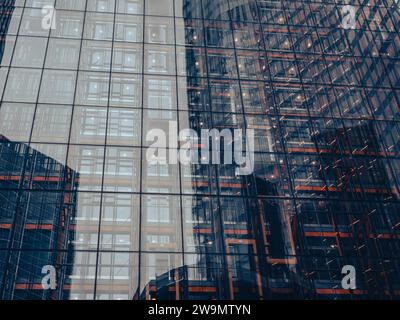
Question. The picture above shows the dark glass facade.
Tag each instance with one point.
(76, 189)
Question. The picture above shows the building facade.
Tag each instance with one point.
(78, 195)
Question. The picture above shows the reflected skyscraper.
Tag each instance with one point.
(36, 225)
(79, 193)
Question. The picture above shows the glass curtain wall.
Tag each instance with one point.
(77, 192)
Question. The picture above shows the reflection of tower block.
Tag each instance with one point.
(273, 240)
(37, 222)
(360, 175)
